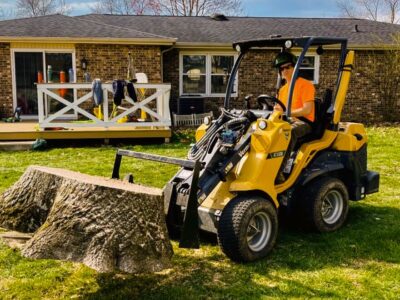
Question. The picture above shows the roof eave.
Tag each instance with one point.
(202, 45)
(372, 47)
(195, 45)
(74, 40)
(162, 42)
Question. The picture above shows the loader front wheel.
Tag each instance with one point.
(248, 228)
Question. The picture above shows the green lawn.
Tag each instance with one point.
(360, 261)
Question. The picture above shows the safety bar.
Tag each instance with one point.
(190, 164)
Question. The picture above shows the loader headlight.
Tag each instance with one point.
(207, 120)
(262, 124)
(288, 44)
(237, 47)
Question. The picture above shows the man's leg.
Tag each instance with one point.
(299, 129)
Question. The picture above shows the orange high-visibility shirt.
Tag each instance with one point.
(304, 91)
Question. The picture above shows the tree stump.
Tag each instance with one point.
(105, 223)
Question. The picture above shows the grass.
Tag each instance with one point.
(360, 261)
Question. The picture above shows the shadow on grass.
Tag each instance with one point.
(369, 235)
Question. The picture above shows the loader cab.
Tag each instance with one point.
(328, 108)
(325, 106)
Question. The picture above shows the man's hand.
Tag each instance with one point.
(277, 107)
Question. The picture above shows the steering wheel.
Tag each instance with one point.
(268, 102)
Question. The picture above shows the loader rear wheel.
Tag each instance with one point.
(248, 228)
(327, 204)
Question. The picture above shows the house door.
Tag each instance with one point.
(27, 66)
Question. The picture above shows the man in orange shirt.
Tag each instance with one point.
(302, 109)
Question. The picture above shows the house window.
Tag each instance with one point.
(309, 68)
(205, 74)
(221, 67)
(194, 74)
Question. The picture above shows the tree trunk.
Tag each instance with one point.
(105, 223)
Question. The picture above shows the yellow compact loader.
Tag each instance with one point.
(228, 184)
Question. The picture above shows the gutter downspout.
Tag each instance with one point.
(162, 61)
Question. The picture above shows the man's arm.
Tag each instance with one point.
(304, 111)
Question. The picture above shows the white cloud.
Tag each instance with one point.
(81, 7)
(4, 4)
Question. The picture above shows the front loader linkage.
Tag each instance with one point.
(190, 230)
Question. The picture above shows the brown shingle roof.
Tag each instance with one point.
(196, 30)
(60, 26)
(208, 30)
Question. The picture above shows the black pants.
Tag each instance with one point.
(299, 129)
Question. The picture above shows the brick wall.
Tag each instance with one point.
(171, 75)
(374, 70)
(6, 101)
(110, 62)
(364, 102)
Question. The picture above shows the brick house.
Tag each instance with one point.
(194, 54)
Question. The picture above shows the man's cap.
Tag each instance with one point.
(284, 58)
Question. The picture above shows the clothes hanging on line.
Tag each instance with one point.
(97, 92)
(119, 91)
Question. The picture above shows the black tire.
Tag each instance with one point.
(236, 230)
(327, 204)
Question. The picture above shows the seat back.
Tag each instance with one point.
(323, 114)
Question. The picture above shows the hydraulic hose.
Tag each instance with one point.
(201, 147)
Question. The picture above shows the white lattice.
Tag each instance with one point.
(159, 112)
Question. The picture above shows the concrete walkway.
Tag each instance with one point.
(16, 146)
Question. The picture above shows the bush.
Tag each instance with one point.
(184, 135)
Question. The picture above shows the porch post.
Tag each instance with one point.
(40, 104)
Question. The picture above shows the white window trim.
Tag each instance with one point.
(208, 74)
(43, 51)
(316, 65)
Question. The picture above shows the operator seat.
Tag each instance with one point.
(323, 116)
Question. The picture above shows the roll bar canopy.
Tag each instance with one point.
(279, 41)
(286, 43)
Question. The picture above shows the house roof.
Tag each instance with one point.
(206, 30)
(73, 29)
(191, 31)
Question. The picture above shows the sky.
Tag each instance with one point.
(253, 8)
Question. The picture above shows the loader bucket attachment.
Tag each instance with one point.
(190, 229)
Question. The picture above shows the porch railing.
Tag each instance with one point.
(158, 114)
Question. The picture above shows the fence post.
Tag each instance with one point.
(105, 105)
(40, 105)
(166, 113)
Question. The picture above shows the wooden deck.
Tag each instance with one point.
(30, 131)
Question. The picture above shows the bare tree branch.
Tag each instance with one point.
(393, 7)
(169, 7)
(34, 8)
(377, 10)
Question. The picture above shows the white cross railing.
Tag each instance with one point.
(159, 115)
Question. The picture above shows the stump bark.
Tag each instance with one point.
(107, 224)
